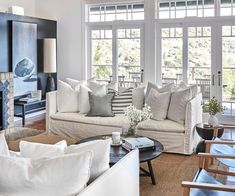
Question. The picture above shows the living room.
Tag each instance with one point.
(117, 97)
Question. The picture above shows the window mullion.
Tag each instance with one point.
(185, 53)
(115, 54)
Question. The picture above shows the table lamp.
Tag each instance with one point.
(49, 60)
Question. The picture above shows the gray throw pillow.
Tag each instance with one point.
(100, 106)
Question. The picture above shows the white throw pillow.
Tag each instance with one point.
(37, 150)
(162, 89)
(112, 85)
(178, 103)
(3, 145)
(159, 103)
(138, 97)
(101, 152)
(75, 84)
(84, 104)
(193, 89)
(97, 89)
(67, 98)
(63, 175)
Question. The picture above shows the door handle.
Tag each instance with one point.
(219, 78)
(213, 80)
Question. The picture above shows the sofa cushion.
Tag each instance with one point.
(162, 89)
(162, 126)
(119, 120)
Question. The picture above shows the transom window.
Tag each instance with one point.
(227, 7)
(104, 13)
(188, 8)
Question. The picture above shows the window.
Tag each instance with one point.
(227, 7)
(172, 57)
(185, 8)
(124, 12)
(116, 57)
(101, 44)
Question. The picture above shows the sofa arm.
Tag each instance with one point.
(51, 107)
(120, 179)
(193, 117)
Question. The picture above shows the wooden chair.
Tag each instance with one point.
(207, 165)
(214, 187)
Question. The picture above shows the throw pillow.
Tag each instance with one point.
(138, 97)
(121, 100)
(159, 103)
(193, 89)
(3, 145)
(178, 103)
(67, 98)
(37, 150)
(100, 106)
(84, 105)
(163, 89)
(61, 175)
(97, 89)
(101, 152)
(75, 84)
(112, 85)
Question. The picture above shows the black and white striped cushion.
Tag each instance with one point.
(121, 100)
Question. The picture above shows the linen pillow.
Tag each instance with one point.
(101, 152)
(97, 89)
(138, 97)
(178, 103)
(37, 150)
(112, 85)
(3, 145)
(100, 106)
(193, 89)
(62, 175)
(165, 88)
(121, 100)
(159, 103)
(84, 105)
(67, 98)
(75, 84)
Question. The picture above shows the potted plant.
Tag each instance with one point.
(135, 116)
(212, 106)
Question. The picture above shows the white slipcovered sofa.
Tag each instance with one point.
(175, 137)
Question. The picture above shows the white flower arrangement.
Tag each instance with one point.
(135, 116)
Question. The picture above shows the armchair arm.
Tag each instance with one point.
(222, 156)
(210, 142)
(51, 107)
(204, 163)
(187, 185)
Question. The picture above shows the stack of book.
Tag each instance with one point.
(28, 99)
(142, 143)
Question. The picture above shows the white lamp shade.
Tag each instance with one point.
(49, 52)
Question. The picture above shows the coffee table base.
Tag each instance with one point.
(149, 173)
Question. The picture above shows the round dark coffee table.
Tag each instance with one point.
(206, 133)
(118, 152)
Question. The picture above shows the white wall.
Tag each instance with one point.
(28, 5)
(69, 44)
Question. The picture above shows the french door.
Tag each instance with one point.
(203, 54)
(115, 53)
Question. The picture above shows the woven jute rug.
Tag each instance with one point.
(170, 170)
